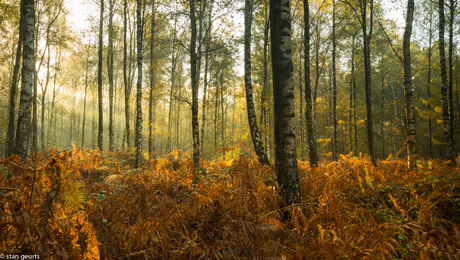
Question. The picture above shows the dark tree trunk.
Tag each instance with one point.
(410, 113)
(99, 81)
(27, 81)
(444, 102)
(138, 142)
(283, 93)
(252, 117)
(14, 87)
(309, 117)
(367, 71)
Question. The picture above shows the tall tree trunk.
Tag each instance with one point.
(27, 81)
(110, 74)
(99, 81)
(382, 121)
(44, 90)
(125, 72)
(252, 117)
(84, 101)
(410, 113)
(195, 129)
(334, 87)
(452, 6)
(138, 142)
(430, 142)
(367, 71)
(301, 124)
(444, 101)
(152, 82)
(350, 122)
(283, 93)
(309, 117)
(173, 79)
(14, 86)
(264, 103)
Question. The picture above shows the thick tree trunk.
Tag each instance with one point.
(410, 113)
(252, 117)
(99, 81)
(283, 93)
(444, 102)
(14, 87)
(309, 117)
(138, 142)
(27, 81)
(195, 129)
(367, 72)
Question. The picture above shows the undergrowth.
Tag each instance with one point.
(92, 205)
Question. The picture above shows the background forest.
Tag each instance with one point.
(216, 129)
(65, 109)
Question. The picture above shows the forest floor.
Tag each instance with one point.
(92, 205)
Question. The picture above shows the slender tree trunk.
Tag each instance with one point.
(382, 121)
(302, 145)
(252, 117)
(126, 79)
(264, 103)
(195, 129)
(14, 86)
(334, 87)
(283, 93)
(84, 101)
(27, 81)
(452, 6)
(430, 141)
(152, 82)
(173, 79)
(110, 75)
(444, 101)
(309, 116)
(350, 133)
(138, 143)
(222, 108)
(99, 80)
(44, 90)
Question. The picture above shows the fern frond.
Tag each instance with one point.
(74, 195)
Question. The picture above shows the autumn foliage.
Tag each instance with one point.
(92, 205)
